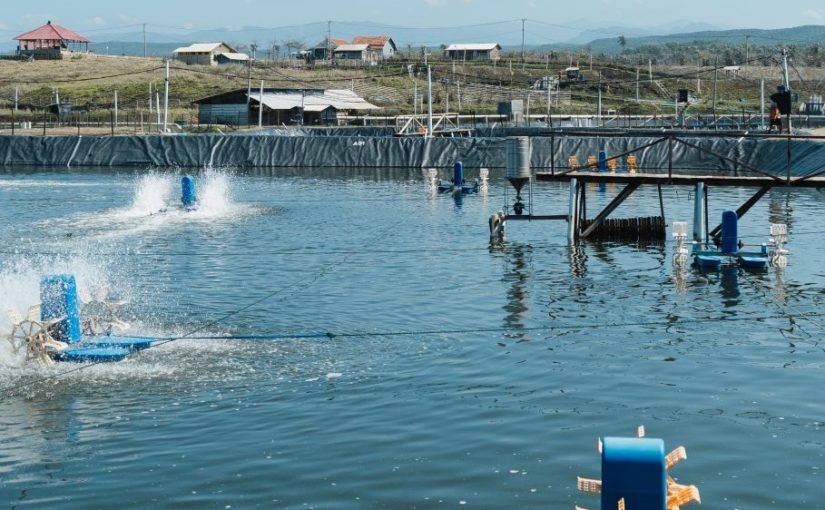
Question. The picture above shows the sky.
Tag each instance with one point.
(100, 16)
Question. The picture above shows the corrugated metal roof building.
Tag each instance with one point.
(49, 42)
(319, 52)
(205, 54)
(351, 52)
(281, 106)
(473, 51)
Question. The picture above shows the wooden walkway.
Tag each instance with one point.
(680, 179)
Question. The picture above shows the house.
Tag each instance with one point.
(319, 52)
(379, 47)
(232, 58)
(50, 42)
(351, 52)
(473, 51)
(206, 54)
(280, 106)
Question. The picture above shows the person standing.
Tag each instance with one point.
(776, 118)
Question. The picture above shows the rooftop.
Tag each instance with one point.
(473, 47)
(203, 48)
(51, 32)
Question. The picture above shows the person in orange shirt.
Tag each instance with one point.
(776, 119)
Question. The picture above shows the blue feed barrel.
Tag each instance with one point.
(458, 173)
(730, 232)
(58, 300)
(188, 194)
(634, 469)
(602, 161)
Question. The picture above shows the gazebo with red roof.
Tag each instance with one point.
(50, 41)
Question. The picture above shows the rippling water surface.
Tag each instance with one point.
(453, 375)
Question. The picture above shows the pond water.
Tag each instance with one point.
(406, 364)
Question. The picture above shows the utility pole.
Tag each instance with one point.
(261, 107)
(415, 98)
(548, 101)
(747, 50)
(715, 83)
(430, 102)
(329, 40)
(762, 102)
(144, 40)
(248, 80)
(787, 83)
(599, 109)
(522, 40)
(166, 98)
(637, 84)
(115, 105)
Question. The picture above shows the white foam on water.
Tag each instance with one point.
(156, 205)
(153, 194)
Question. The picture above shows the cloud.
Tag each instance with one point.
(813, 14)
(97, 20)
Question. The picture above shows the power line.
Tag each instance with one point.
(9, 391)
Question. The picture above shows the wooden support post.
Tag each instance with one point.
(552, 154)
(616, 202)
(743, 209)
(669, 159)
(661, 204)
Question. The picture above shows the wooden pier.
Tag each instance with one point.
(669, 173)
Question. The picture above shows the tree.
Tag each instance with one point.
(622, 41)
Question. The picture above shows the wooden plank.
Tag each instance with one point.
(529, 217)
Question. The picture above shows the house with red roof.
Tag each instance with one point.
(50, 41)
(379, 47)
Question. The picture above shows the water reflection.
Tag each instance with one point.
(578, 260)
(516, 277)
(780, 288)
(729, 283)
(780, 210)
(35, 431)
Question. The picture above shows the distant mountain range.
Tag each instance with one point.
(755, 37)
(598, 39)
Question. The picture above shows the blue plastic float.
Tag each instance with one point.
(458, 185)
(730, 251)
(58, 296)
(635, 475)
(189, 195)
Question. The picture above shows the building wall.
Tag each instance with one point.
(234, 114)
(387, 51)
(493, 54)
(350, 55)
(42, 54)
(204, 59)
